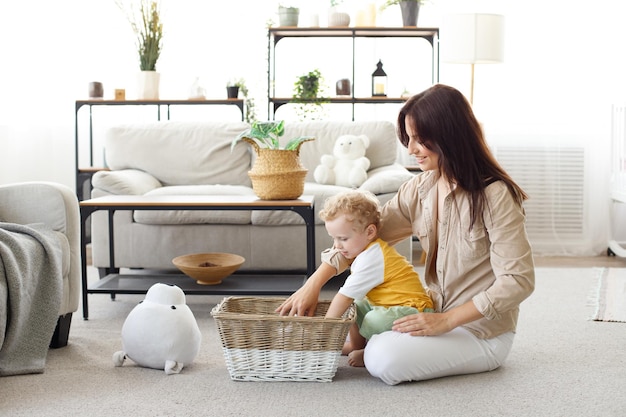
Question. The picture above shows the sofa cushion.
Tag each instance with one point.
(195, 216)
(180, 153)
(387, 179)
(125, 182)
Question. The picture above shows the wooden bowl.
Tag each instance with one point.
(208, 268)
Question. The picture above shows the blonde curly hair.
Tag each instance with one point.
(361, 208)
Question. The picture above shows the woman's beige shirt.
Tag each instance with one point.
(492, 264)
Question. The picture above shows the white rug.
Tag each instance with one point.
(608, 297)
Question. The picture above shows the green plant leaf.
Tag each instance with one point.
(267, 135)
(294, 143)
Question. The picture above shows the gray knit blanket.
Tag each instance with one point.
(31, 287)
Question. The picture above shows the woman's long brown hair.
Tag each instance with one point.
(445, 124)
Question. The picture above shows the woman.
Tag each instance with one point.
(468, 215)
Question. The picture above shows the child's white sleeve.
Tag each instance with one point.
(367, 272)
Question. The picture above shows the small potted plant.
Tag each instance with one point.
(236, 85)
(288, 15)
(409, 8)
(277, 173)
(232, 89)
(307, 93)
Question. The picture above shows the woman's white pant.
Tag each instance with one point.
(398, 357)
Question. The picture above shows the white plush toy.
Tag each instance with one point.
(161, 332)
(348, 165)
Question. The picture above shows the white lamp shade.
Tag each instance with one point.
(472, 38)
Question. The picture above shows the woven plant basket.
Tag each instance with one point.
(277, 174)
(260, 345)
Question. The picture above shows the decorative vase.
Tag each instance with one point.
(277, 174)
(288, 16)
(410, 11)
(338, 19)
(148, 85)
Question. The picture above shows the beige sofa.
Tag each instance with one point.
(182, 158)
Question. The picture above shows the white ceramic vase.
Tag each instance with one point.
(337, 18)
(148, 85)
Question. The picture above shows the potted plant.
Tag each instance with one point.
(277, 173)
(148, 28)
(288, 15)
(233, 87)
(409, 9)
(307, 93)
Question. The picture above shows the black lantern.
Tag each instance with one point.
(379, 81)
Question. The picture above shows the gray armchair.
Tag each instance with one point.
(56, 207)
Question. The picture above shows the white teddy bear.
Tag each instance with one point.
(348, 165)
(161, 332)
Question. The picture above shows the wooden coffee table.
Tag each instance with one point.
(138, 282)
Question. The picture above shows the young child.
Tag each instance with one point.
(382, 283)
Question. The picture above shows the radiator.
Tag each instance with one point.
(554, 179)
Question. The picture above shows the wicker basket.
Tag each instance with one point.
(277, 174)
(260, 345)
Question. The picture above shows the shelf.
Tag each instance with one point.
(345, 100)
(101, 102)
(375, 32)
(279, 101)
(236, 284)
(275, 34)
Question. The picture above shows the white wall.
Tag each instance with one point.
(563, 69)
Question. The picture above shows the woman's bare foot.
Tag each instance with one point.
(355, 358)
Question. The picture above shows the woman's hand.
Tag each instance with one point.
(423, 324)
(433, 324)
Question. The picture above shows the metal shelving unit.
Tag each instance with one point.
(276, 34)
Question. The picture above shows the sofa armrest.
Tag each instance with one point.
(125, 182)
(56, 206)
(386, 179)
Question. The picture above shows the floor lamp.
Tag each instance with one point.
(472, 38)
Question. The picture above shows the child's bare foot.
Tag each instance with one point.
(355, 358)
(347, 348)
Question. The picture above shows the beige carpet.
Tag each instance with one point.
(562, 364)
(608, 297)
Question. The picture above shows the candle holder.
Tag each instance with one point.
(379, 81)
